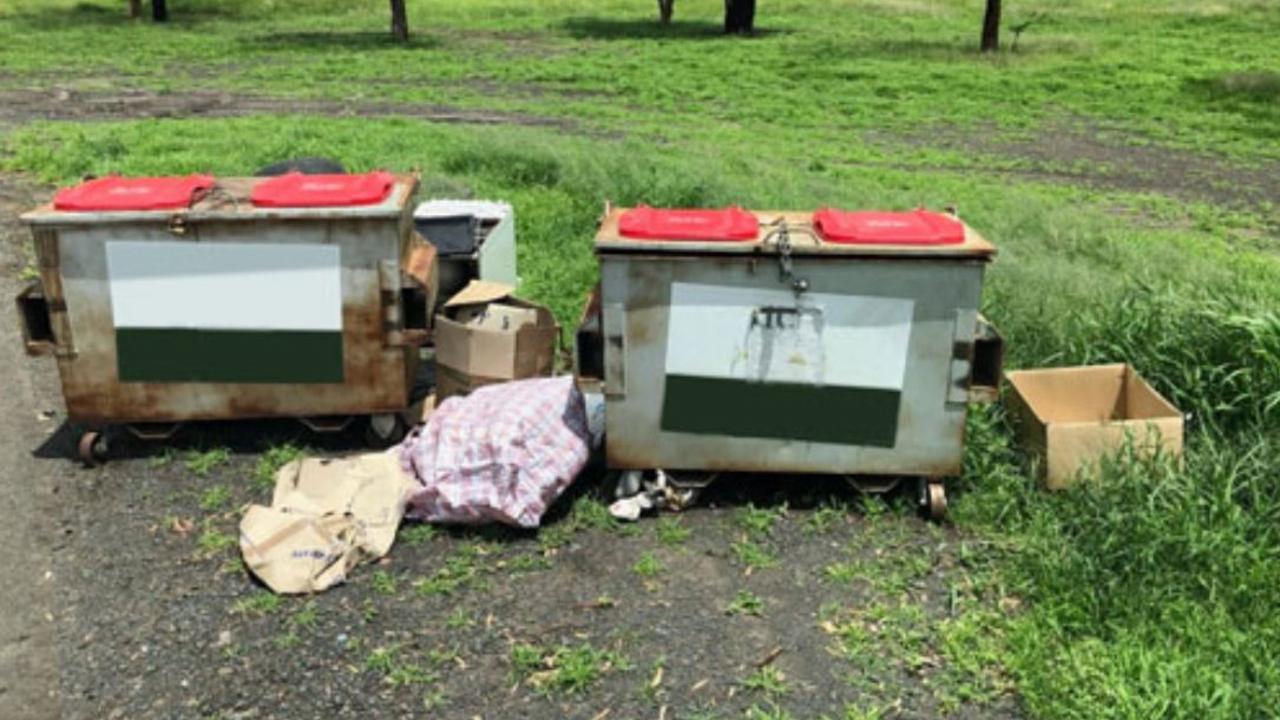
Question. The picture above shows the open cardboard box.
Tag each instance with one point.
(1072, 416)
(485, 335)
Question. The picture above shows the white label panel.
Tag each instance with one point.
(225, 286)
(769, 335)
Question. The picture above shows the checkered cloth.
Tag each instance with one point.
(503, 453)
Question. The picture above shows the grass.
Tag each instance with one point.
(768, 680)
(753, 555)
(564, 669)
(263, 602)
(1148, 590)
(215, 498)
(746, 603)
(201, 463)
(648, 566)
(270, 462)
(671, 531)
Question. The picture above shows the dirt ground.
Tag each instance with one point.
(125, 598)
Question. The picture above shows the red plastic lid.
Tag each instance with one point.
(918, 227)
(120, 193)
(732, 223)
(297, 190)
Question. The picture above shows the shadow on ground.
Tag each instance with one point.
(361, 41)
(595, 28)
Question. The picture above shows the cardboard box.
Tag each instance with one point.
(484, 336)
(1073, 416)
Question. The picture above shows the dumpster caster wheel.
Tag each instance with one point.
(384, 429)
(93, 448)
(933, 498)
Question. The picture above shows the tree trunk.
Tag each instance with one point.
(991, 27)
(399, 21)
(159, 11)
(135, 8)
(739, 16)
(665, 9)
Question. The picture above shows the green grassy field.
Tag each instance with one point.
(1151, 591)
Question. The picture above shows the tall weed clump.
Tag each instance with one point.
(1153, 584)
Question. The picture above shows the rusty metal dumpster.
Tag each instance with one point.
(771, 345)
(223, 309)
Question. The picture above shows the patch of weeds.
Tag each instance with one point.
(305, 617)
(203, 463)
(459, 571)
(213, 541)
(284, 641)
(215, 498)
(564, 669)
(405, 674)
(825, 519)
(384, 583)
(671, 531)
(768, 680)
(368, 611)
(28, 273)
(552, 537)
(527, 563)
(270, 462)
(648, 566)
(382, 659)
(163, 458)
(759, 522)
(459, 618)
(441, 656)
(873, 506)
(746, 603)
(841, 572)
(415, 534)
(591, 514)
(260, 603)
(754, 555)
(233, 566)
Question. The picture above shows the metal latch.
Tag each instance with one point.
(786, 268)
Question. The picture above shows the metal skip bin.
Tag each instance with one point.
(228, 307)
(781, 343)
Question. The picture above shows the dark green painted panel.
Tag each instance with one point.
(790, 411)
(229, 356)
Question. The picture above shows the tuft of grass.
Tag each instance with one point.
(459, 571)
(564, 669)
(414, 534)
(262, 602)
(767, 680)
(203, 463)
(671, 531)
(384, 583)
(825, 518)
(758, 522)
(213, 541)
(746, 603)
(306, 616)
(753, 555)
(648, 566)
(215, 498)
(270, 462)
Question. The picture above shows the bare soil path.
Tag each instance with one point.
(28, 499)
